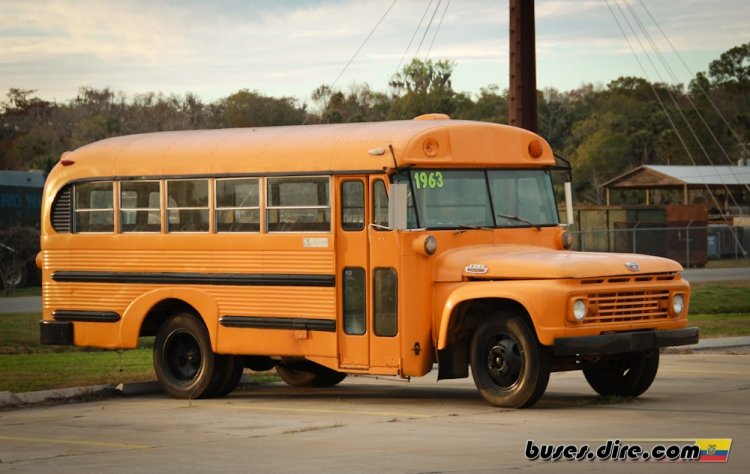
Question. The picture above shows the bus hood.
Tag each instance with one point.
(515, 262)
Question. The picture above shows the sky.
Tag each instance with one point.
(287, 48)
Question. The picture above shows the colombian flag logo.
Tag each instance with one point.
(714, 450)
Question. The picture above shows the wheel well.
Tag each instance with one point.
(454, 359)
(160, 313)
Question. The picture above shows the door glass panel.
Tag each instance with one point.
(354, 301)
(352, 205)
(385, 303)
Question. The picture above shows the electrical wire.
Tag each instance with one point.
(363, 44)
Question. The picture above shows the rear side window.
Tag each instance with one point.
(299, 204)
(140, 206)
(94, 207)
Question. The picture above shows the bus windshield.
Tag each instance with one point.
(490, 198)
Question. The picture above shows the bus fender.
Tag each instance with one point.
(132, 320)
(468, 292)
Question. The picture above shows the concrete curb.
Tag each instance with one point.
(17, 400)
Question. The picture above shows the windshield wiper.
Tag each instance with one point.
(519, 219)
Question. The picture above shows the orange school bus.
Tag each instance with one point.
(328, 250)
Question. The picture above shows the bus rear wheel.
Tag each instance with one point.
(308, 374)
(510, 368)
(625, 375)
(228, 375)
(185, 365)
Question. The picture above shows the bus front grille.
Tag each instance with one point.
(627, 306)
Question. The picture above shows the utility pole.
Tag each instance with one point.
(522, 102)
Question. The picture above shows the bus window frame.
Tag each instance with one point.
(268, 208)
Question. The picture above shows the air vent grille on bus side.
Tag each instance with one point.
(62, 215)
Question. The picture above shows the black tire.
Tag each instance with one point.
(228, 377)
(185, 365)
(625, 375)
(308, 374)
(510, 368)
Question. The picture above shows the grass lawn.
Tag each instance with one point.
(45, 371)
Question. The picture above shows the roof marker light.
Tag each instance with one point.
(536, 148)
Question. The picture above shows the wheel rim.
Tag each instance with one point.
(183, 354)
(505, 362)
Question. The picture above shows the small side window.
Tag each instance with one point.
(379, 204)
(94, 210)
(140, 206)
(385, 302)
(238, 205)
(187, 205)
(62, 215)
(352, 205)
(298, 204)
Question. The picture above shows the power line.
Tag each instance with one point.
(363, 44)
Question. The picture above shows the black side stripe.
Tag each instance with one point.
(267, 322)
(85, 316)
(241, 279)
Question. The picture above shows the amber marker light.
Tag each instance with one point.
(536, 148)
(430, 147)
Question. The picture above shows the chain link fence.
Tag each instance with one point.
(690, 245)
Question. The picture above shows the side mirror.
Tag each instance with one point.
(397, 206)
(569, 202)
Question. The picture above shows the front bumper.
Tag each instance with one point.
(624, 342)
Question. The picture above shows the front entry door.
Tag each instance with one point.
(367, 270)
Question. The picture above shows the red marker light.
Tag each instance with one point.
(66, 162)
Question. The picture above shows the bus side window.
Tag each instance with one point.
(299, 204)
(352, 205)
(187, 205)
(379, 204)
(94, 208)
(140, 206)
(238, 205)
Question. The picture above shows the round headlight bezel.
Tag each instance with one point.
(579, 310)
(678, 304)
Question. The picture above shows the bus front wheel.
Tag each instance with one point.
(625, 375)
(185, 365)
(308, 374)
(510, 368)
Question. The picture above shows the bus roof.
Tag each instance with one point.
(331, 148)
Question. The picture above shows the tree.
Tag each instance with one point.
(733, 66)
(252, 109)
(425, 87)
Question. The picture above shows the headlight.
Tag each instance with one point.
(579, 309)
(678, 304)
